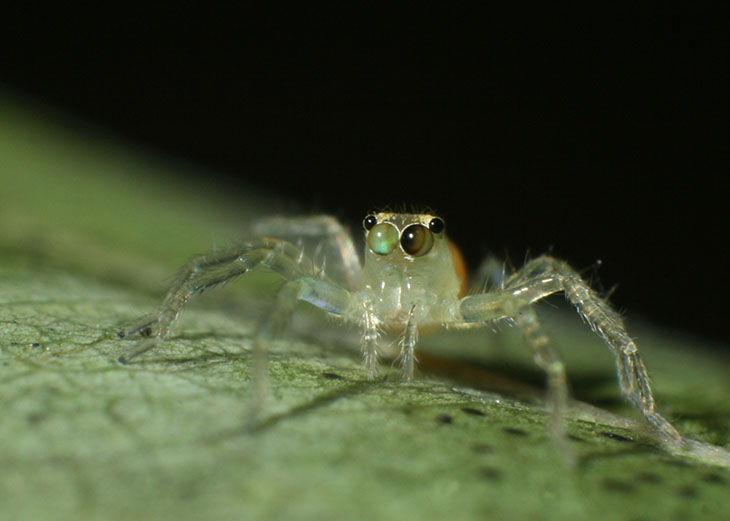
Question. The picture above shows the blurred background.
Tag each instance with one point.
(597, 136)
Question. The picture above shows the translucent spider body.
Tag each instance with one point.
(412, 279)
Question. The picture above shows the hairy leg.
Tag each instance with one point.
(408, 346)
(549, 360)
(205, 272)
(323, 239)
(369, 340)
(322, 294)
(544, 276)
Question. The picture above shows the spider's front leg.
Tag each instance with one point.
(544, 276)
(205, 272)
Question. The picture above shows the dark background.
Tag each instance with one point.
(597, 135)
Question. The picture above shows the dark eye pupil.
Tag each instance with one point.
(413, 239)
(436, 225)
(369, 222)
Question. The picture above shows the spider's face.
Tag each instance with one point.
(409, 261)
(408, 236)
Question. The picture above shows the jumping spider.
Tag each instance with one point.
(412, 279)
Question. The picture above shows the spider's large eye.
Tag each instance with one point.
(382, 238)
(416, 240)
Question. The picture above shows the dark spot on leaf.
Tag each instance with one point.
(490, 473)
(514, 432)
(687, 491)
(615, 485)
(332, 376)
(35, 344)
(444, 418)
(713, 478)
(482, 448)
(472, 411)
(649, 477)
(146, 331)
(34, 418)
(615, 436)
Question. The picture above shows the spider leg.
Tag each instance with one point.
(490, 274)
(205, 272)
(408, 345)
(331, 240)
(320, 293)
(369, 339)
(544, 276)
(548, 359)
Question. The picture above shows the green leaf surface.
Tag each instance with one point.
(91, 232)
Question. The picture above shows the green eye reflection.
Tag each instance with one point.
(383, 238)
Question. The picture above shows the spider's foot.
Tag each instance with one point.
(142, 348)
(566, 450)
(257, 405)
(668, 435)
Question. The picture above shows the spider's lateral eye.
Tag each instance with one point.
(416, 240)
(369, 222)
(436, 225)
(382, 238)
